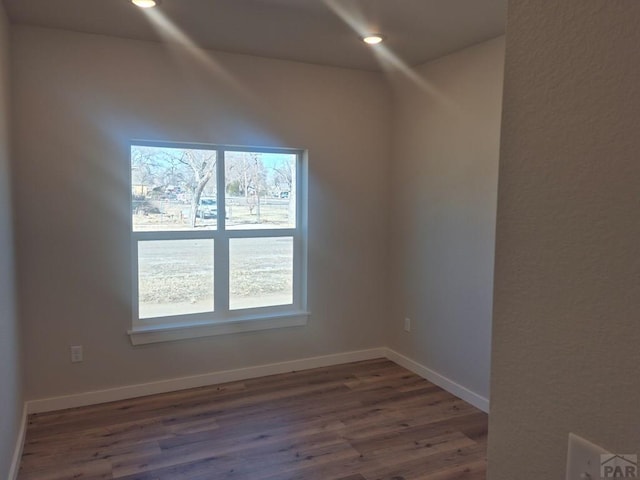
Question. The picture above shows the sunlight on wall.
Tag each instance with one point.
(184, 47)
(389, 61)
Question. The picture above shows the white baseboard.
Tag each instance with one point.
(449, 385)
(183, 383)
(17, 453)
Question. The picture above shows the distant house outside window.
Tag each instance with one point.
(218, 240)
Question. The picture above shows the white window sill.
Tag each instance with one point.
(183, 330)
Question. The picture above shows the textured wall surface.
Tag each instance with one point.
(567, 278)
(444, 171)
(10, 373)
(81, 98)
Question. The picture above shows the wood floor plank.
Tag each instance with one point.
(422, 468)
(369, 420)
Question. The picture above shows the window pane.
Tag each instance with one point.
(260, 190)
(173, 189)
(175, 277)
(261, 272)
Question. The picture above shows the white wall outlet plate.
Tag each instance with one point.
(583, 459)
(76, 354)
(407, 324)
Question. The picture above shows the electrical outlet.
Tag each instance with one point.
(407, 324)
(583, 459)
(76, 354)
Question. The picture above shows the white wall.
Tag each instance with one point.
(444, 182)
(81, 98)
(10, 358)
(567, 278)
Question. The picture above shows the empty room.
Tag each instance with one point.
(319, 239)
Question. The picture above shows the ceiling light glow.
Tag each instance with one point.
(144, 3)
(373, 39)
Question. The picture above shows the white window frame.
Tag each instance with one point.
(223, 320)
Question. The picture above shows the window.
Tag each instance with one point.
(218, 240)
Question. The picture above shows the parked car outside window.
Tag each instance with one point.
(208, 208)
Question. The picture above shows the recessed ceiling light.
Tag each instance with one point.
(373, 39)
(144, 3)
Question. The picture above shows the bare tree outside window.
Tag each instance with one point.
(176, 189)
(168, 185)
(203, 166)
(260, 190)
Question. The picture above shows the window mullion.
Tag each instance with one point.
(220, 188)
(221, 255)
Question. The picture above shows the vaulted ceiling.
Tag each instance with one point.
(316, 31)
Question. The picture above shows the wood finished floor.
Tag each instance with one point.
(368, 420)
